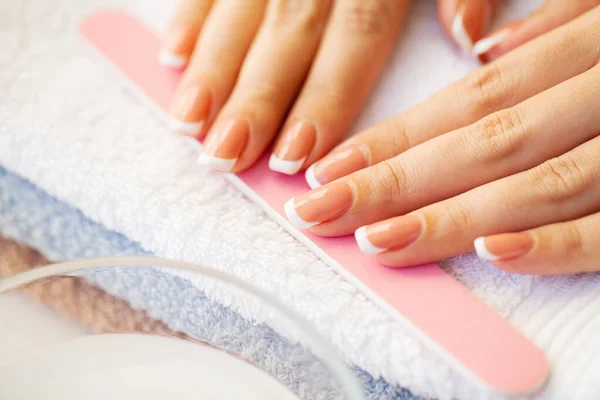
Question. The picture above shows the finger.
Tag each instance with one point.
(465, 21)
(215, 64)
(499, 145)
(519, 75)
(553, 13)
(270, 79)
(562, 248)
(181, 35)
(561, 189)
(359, 38)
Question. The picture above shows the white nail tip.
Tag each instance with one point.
(221, 164)
(482, 251)
(310, 177)
(485, 45)
(364, 244)
(187, 128)
(294, 218)
(171, 60)
(284, 166)
(461, 37)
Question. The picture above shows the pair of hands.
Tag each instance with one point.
(513, 147)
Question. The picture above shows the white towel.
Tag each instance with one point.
(70, 127)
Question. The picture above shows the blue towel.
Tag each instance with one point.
(61, 233)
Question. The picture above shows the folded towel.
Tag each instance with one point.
(29, 215)
(63, 127)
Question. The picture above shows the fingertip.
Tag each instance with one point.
(217, 163)
(177, 45)
(482, 251)
(295, 219)
(186, 128)
(459, 33)
(483, 46)
(286, 167)
(172, 60)
(364, 244)
(295, 144)
(311, 178)
(225, 144)
(504, 246)
(337, 164)
(550, 16)
(465, 21)
(190, 109)
(499, 42)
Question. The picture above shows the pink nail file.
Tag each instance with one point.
(441, 311)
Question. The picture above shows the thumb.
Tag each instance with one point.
(465, 21)
(552, 14)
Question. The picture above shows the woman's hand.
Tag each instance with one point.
(508, 157)
(253, 61)
(300, 70)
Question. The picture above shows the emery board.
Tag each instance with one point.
(439, 310)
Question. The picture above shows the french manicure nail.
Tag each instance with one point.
(459, 32)
(486, 44)
(320, 205)
(172, 60)
(293, 148)
(392, 234)
(190, 108)
(340, 163)
(173, 47)
(224, 144)
(185, 128)
(310, 177)
(504, 246)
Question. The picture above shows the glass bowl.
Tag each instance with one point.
(148, 328)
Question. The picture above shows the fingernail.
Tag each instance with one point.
(393, 234)
(486, 44)
(172, 60)
(459, 32)
(224, 144)
(504, 246)
(340, 163)
(292, 149)
(310, 177)
(320, 205)
(190, 108)
(173, 47)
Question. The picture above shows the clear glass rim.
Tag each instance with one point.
(330, 357)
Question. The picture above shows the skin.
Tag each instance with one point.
(515, 148)
(275, 65)
(285, 72)
(285, 61)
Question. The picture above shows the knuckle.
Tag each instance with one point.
(485, 89)
(401, 140)
(306, 14)
(498, 136)
(390, 179)
(393, 131)
(460, 215)
(324, 95)
(572, 239)
(447, 218)
(560, 178)
(368, 17)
